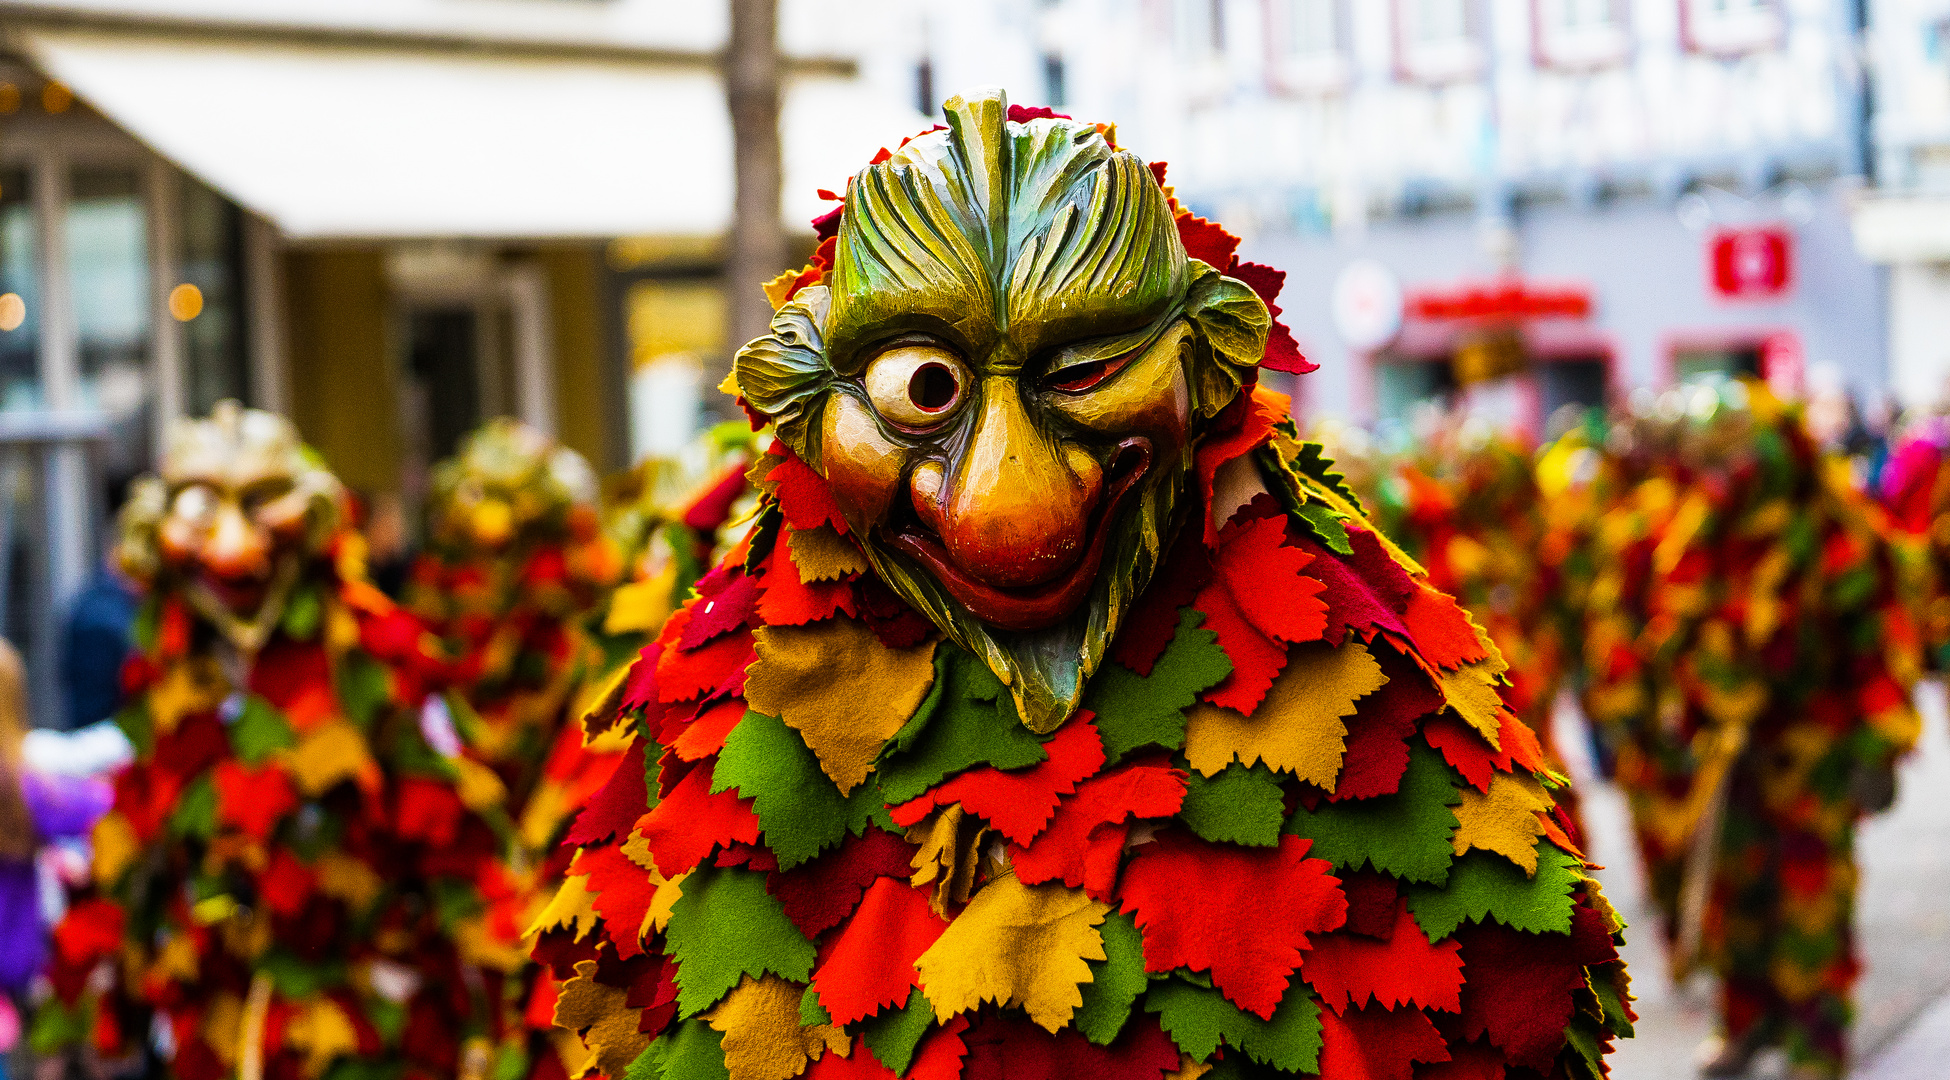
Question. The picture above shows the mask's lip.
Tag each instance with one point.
(1042, 605)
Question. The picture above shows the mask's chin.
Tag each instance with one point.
(1045, 641)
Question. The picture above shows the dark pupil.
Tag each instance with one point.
(932, 388)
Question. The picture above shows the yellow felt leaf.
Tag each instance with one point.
(641, 606)
(333, 752)
(1016, 945)
(547, 806)
(571, 906)
(323, 1032)
(1189, 1069)
(605, 1020)
(115, 848)
(840, 688)
(598, 707)
(1298, 728)
(776, 291)
(479, 787)
(824, 555)
(950, 845)
(1471, 692)
(223, 1027)
(637, 850)
(192, 686)
(478, 946)
(762, 1036)
(176, 960)
(345, 878)
(1503, 820)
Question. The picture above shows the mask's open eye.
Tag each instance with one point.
(917, 386)
(1077, 378)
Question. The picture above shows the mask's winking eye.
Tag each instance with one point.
(916, 386)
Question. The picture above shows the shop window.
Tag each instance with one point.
(676, 330)
(108, 281)
(1732, 26)
(1402, 385)
(1311, 44)
(215, 366)
(1441, 40)
(1717, 363)
(1580, 381)
(1581, 33)
(445, 350)
(20, 295)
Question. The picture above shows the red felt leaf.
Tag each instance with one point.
(617, 806)
(704, 736)
(690, 821)
(197, 743)
(710, 510)
(286, 884)
(1005, 1046)
(253, 800)
(1207, 241)
(427, 810)
(286, 670)
(1019, 802)
(1244, 425)
(1370, 903)
(871, 962)
(1377, 736)
(640, 685)
(1084, 843)
(1352, 602)
(804, 498)
(1244, 914)
(623, 894)
(682, 676)
(1282, 352)
(820, 894)
(893, 622)
(1154, 618)
(1520, 984)
(1022, 114)
(938, 1057)
(1441, 631)
(1350, 969)
(1467, 1061)
(1520, 743)
(1259, 597)
(1465, 748)
(91, 929)
(790, 602)
(725, 608)
(1378, 1044)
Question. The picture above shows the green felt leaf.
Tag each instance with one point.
(388, 1017)
(1583, 1053)
(1405, 834)
(260, 731)
(1240, 805)
(195, 814)
(811, 1012)
(975, 723)
(1134, 710)
(1611, 983)
(692, 1051)
(295, 979)
(1327, 526)
(364, 688)
(358, 1068)
(56, 1027)
(1115, 981)
(649, 1065)
(136, 726)
(903, 740)
(1313, 461)
(1484, 884)
(511, 1062)
(1198, 1019)
(302, 613)
(799, 809)
(892, 1034)
(726, 926)
(454, 900)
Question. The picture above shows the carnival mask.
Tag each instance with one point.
(1003, 379)
(508, 480)
(238, 507)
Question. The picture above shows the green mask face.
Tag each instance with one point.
(1003, 379)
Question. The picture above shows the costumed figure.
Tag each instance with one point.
(291, 883)
(1915, 490)
(1060, 715)
(517, 566)
(1749, 637)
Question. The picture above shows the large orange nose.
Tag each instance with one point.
(1017, 511)
(238, 547)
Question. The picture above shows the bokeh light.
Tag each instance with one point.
(13, 311)
(185, 302)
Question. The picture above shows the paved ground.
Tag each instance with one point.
(1903, 1001)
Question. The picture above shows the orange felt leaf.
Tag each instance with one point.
(790, 601)
(253, 800)
(870, 965)
(1256, 909)
(690, 822)
(1444, 633)
(803, 495)
(1018, 803)
(1259, 596)
(1262, 409)
(1084, 843)
(705, 735)
(1348, 969)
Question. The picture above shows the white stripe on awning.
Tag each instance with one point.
(353, 144)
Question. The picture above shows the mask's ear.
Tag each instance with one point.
(784, 373)
(1232, 323)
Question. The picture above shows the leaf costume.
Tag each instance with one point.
(292, 878)
(1752, 656)
(1061, 715)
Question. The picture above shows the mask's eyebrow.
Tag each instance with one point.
(1093, 350)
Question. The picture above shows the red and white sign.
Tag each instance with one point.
(1751, 264)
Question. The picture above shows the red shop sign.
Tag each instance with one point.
(1751, 264)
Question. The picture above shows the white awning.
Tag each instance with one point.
(353, 143)
(1903, 228)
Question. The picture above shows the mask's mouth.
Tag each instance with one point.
(243, 594)
(1036, 606)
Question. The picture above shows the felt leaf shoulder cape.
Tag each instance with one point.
(1294, 829)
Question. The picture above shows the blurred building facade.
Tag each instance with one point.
(1429, 171)
(389, 219)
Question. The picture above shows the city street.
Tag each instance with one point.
(1903, 1001)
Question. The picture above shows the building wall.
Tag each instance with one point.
(1919, 348)
(343, 396)
(576, 296)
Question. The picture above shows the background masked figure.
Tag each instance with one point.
(291, 878)
(1060, 715)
